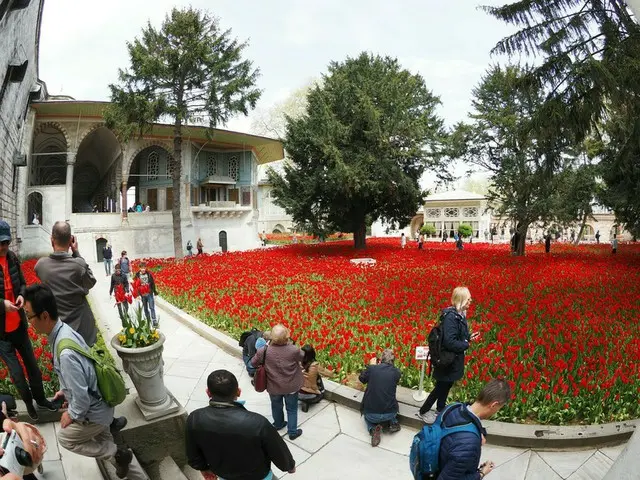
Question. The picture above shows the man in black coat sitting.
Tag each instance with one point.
(226, 441)
(379, 403)
(460, 452)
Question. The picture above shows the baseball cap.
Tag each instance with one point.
(5, 231)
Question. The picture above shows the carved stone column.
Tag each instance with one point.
(125, 218)
(71, 161)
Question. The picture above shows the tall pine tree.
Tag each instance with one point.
(189, 70)
(369, 133)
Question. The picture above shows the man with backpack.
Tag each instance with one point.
(84, 427)
(450, 449)
(248, 341)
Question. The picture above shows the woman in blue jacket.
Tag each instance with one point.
(456, 339)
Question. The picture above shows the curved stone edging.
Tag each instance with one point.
(499, 433)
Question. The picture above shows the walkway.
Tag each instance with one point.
(335, 443)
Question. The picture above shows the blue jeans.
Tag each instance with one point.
(291, 403)
(149, 306)
(373, 419)
(107, 266)
(247, 361)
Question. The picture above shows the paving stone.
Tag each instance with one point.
(593, 469)
(48, 431)
(180, 387)
(499, 455)
(200, 350)
(539, 470)
(313, 411)
(352, 424)
(514, 469)
(318, 431)
(53, 470)
(194, 405)
(348, 458)
(186, 369)
(299, 455)
(565, 463)
(613, 452)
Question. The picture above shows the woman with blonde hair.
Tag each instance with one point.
(281, 360)
(455, 339)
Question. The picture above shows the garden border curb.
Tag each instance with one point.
(498, 433)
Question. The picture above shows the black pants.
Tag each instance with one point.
(19, 341)
(440, 393)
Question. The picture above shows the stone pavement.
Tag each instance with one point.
(335, 443)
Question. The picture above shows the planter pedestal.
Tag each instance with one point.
(145, 367)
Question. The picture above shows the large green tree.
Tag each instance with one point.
(522, 158)
(190, 71)
(369, 132)
(590, 65)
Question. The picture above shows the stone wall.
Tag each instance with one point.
(19, 30)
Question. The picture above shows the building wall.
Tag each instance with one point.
(271, 216)
(19, 30)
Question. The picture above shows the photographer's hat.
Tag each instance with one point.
(5, 231)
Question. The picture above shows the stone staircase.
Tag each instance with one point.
(167, 469)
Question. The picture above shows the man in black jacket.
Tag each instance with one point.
(107, 256)
(227, 442)
(14, 336)
(379, 403)
(460, 452)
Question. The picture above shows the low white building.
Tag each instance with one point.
(445, 211)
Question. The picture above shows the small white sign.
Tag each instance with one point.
(422, 353)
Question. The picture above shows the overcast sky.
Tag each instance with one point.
(83, 43)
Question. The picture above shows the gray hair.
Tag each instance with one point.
(387, 356)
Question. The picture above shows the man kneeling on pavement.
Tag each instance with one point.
(379, 404)
(85, 425)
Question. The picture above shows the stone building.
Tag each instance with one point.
(19, 40)
(445, 211)
(272, 218)
(79, 171)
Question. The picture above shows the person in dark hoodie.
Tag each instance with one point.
(456, 339)
(379, 404)
(460, 452)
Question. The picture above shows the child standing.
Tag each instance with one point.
(119, 279)
(147, 289)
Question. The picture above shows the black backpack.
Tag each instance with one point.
(248, 341)
(438, 356)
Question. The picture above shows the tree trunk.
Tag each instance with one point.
(177, 177)
(360, 235)
(522, 240)
(581, 231)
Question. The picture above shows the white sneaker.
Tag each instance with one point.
(429, 417)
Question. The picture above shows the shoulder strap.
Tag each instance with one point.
(67, 343)
(264, 357)
(470, 427)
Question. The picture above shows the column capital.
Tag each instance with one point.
(71, 158)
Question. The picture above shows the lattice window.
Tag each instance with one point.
(233, 168)
(153, 166)
(470, 212)
(212, 165)
(434, 212)
(451, 212)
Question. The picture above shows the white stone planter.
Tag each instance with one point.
(145, 367)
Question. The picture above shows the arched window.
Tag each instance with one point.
(34, 208)
(233, 168)
(212, 165)
(153, 166)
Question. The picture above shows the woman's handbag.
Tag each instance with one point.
(260, 377)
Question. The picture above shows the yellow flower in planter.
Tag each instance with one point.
(132, 330)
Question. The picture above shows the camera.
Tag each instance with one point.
(15, 458)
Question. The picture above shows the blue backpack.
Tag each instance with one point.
(425, 449)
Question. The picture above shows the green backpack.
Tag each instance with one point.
(110, 381)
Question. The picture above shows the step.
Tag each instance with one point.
(169, 470)
(191, 474)
(108, 471)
